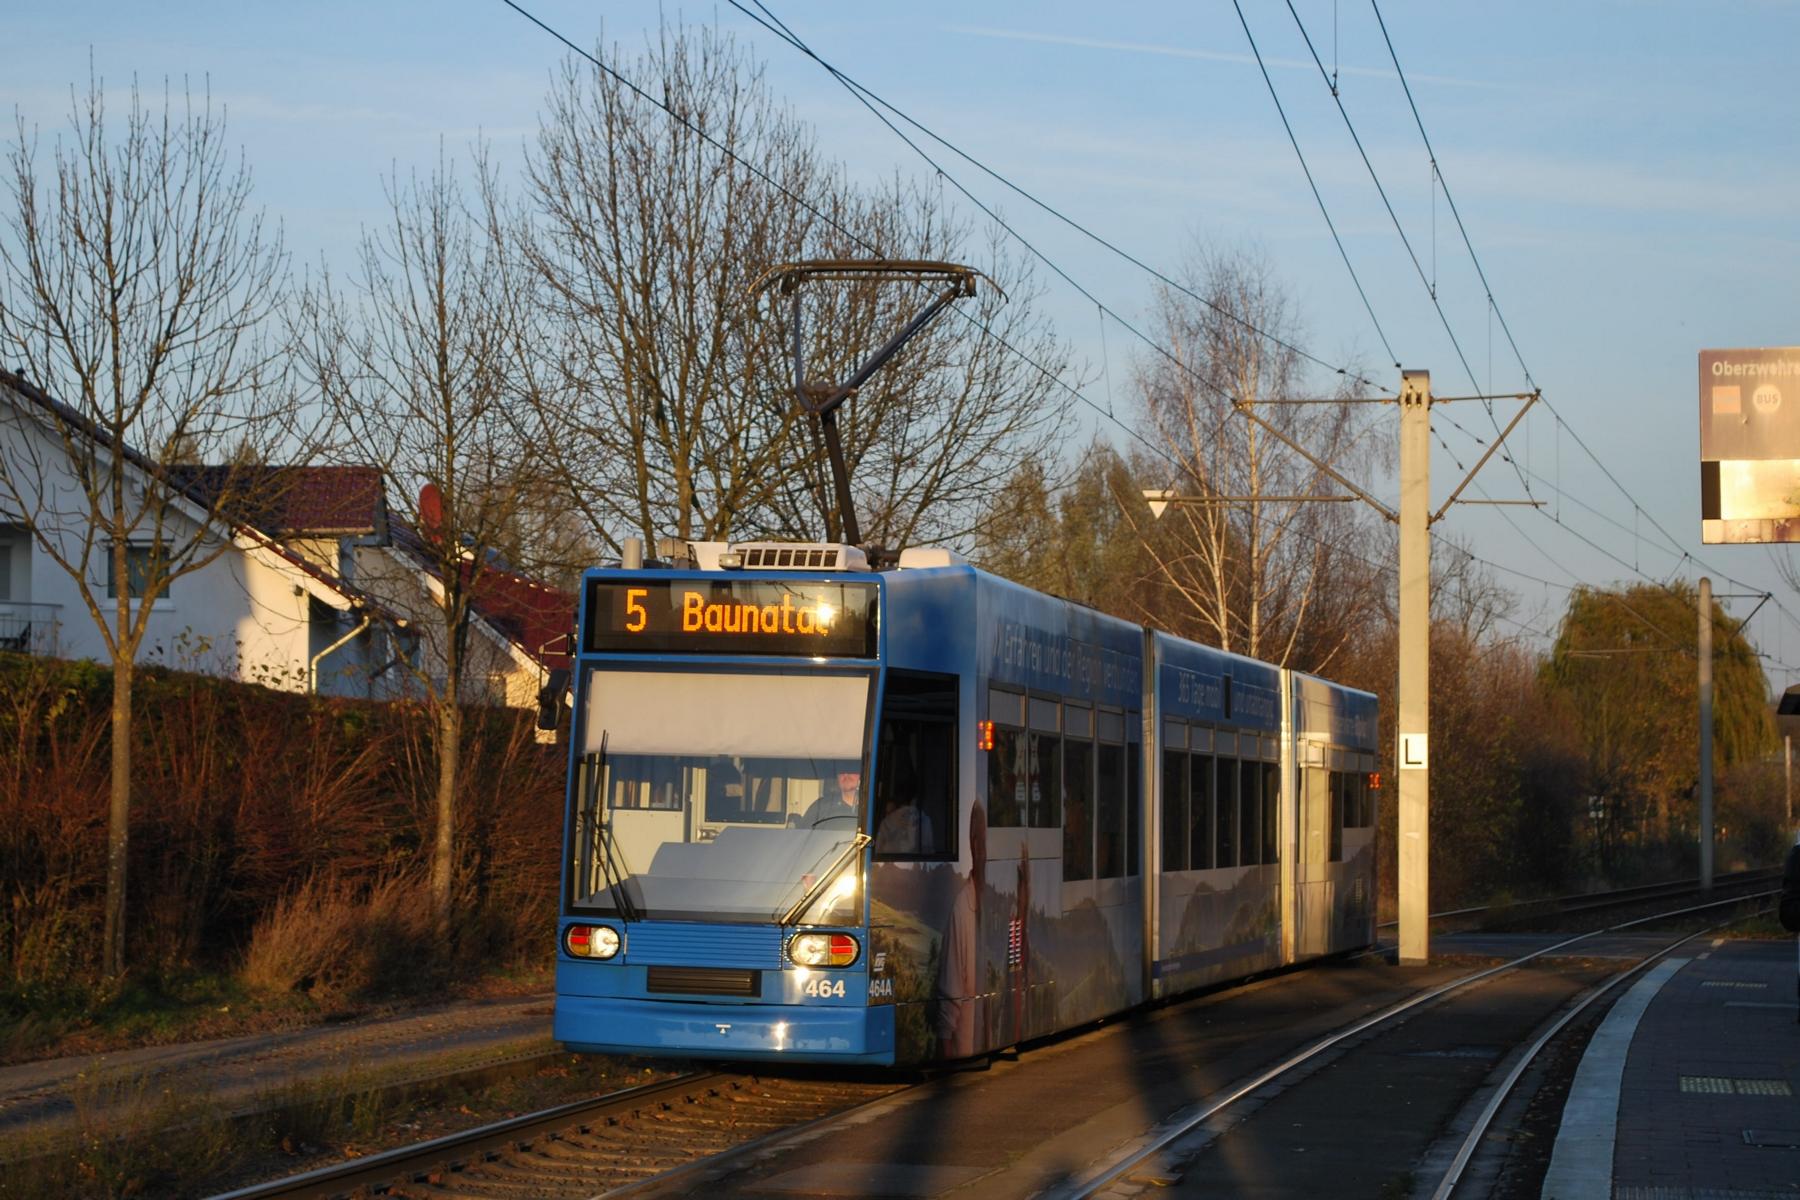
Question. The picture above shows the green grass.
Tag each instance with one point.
(72, 1016)
(131, 1138)
(1763, 925)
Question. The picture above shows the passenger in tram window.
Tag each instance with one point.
(959, 961)
(904, 828)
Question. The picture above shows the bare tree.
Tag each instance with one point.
(135, 284)
(677, 415)
(1257, 572)
(415, 364)
(1466, 595)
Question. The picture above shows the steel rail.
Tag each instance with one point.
(1466, 1152)
(1184, 1125)
(382, 1167)
(1574, 901)
(692, 1176)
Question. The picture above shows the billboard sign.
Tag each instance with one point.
(1750, 445)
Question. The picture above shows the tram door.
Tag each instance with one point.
(915, 824)
(1312, 871)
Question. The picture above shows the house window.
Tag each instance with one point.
(137, 574)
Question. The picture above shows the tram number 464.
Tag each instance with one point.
(825, 987)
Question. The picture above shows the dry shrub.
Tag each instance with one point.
(339, 940)
(243, 799)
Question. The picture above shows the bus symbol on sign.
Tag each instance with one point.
(1412, 752)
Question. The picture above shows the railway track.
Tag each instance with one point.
(1589, 902)
(1186, 1135)
(654, 1135)
(591, 1146)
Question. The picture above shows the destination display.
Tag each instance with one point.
(823, 619)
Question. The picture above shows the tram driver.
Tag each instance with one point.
(835, 803)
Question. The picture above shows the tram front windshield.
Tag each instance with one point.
(719, 796)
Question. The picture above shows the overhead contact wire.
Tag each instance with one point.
(867, 95)
(1311, 183)
(1437, 305)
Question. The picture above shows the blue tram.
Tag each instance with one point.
(823, 813)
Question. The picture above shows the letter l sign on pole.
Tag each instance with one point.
(1413, 723)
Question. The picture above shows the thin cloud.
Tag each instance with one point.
(1290, 64)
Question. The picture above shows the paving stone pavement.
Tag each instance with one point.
(1709, 1104)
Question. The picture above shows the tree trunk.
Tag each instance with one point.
(118, 823)
(443, 854)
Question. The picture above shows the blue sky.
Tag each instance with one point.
(1627, 173)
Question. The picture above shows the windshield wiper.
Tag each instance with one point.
(844, 858)
(605, 844)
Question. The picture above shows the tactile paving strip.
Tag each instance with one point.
(1719, 1085)
(1681, 1193)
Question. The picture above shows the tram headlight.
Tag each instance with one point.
(591, 941)
(822, 949)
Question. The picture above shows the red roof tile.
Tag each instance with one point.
(537, 619)
(285, 501)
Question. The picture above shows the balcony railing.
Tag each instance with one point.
(30, 628)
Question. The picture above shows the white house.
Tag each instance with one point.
(279, 600)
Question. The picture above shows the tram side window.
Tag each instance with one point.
(1271, 795)
(1046, 781)
(1249, 811)
(1365, 809)
(1078, 810)
(1201, 811)
(1134, 809)
(1109, 812)
(915, 783)
(1006, 779)
(1174, 811)
(1337, 817)
(1225, 812)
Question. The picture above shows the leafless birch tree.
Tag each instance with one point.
(1264, 575)
(136, 281)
